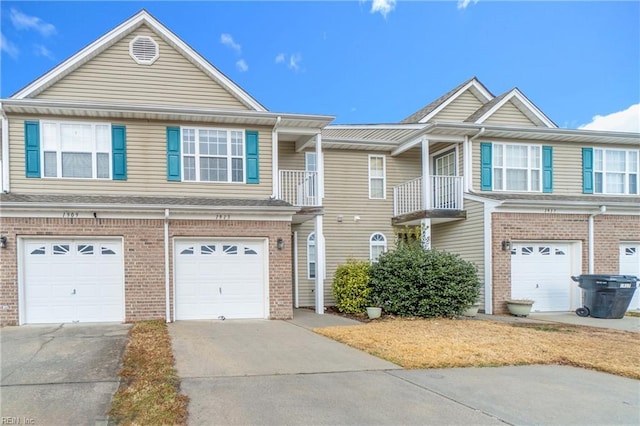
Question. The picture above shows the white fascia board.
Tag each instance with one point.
(515, 93)
(393, 126)
(473, 83)
(415, 140)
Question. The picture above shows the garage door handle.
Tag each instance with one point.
(220, 290)
(74, 291)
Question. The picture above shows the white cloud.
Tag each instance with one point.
(462, 4)
(627, 120)
(280, 58)
(294, 61)
(242, 66)
(26, 22)
(383, 6)
(8, 47)
(227, 40)
(41, 50)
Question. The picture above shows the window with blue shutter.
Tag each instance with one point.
(173, 153)
(32, 149)
(547, 169)
(253, 164)
(486, 170)
(119, 152)
(587, 170)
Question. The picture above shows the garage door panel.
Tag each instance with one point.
(630, 265)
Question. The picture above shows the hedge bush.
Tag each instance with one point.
(411, 281)
(351, 286)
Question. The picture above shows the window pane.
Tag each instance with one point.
(76, 165)
(237, 174)
(376, 168)
(310, 162)
(188, 142)
(497, 155)
(615, 183)
(49, 136)
(236, 144)
(632, 158)
(597, 159)
(189, 171)
(517, 156)
(213, 142)
(376, 251)
(76, 137)
(377, 188)
(535, 180)
(597, 182)
(535, 157)
(497, 179)
(516, 180)
(213, 169)
(633, 184)
(103, 165)
(615, 161)
(50, 164)
(103, 139)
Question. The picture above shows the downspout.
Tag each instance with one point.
(274, 159)
(166, 264)
(603, 210)
(5, 151)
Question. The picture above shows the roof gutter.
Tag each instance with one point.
(6, 186)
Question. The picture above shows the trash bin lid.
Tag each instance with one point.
(609, 277)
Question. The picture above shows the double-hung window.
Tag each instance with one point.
(517, 167)
(76, 150)
(377, 180)
(213, 155)
(615, 171)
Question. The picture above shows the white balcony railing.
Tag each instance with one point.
(445, 192)
(299, 188)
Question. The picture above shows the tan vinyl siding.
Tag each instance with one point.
(347, 195)
(509, 114)
(146, 167)
(288, 158)
(465, 238)
(460, 109)
(113, 76)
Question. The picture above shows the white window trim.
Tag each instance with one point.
(311, 241)
(94, 151)
(384, 176)
(143, 61)
(229, 157)
(373, 244)
(626, 172)
(504, 167)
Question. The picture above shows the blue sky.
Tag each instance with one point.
(371, 61)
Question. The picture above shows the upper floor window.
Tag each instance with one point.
(517, 167)
(377, 246)
(615, 171)
(76, 150)
(213, 155)
(311, 256)
(377, 179)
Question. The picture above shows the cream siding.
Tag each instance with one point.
(113, 76)
(465, 238)
(146, 167)
(510, 114)
(459, 109)
(347, 196)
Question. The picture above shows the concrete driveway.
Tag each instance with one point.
(281, 373)
(60, 374)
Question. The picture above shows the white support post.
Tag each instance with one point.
(466, 161)
(4, 179)
(425, 233)
(320, 168)
(320, 264)
(426, 181)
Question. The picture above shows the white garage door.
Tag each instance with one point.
(73, 280)
(542, 272)
(216, 279)
(630, 265)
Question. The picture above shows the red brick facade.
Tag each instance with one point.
(609, 231)
(144, 257)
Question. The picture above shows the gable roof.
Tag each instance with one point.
(423, 115)
(522, 103)
(100, 45)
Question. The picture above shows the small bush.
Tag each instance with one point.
(411, 281)
(351, 286)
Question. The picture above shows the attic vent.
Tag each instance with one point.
(144, 50)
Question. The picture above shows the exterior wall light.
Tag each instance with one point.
(280, 243)
(506, 245)
(3, 242)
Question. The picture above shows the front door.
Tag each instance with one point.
(444, 187)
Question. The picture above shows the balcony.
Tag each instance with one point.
(299, 188)
(444, 199)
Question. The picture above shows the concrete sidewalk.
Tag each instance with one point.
(281, 373)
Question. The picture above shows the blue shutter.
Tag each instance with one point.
(486, 171)
(119, 152)
(587, 170)
(253, 165)
(32, 149)
(173, 153)
(547, 169)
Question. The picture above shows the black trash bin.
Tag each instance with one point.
(605, 296)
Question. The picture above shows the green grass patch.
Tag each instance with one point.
(149, 392)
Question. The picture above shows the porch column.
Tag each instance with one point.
(320, 264)
(426, 181)
(425, 233)
(320, 167)
(275, 173)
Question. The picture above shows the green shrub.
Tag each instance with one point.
(411, 281)
(351, 286)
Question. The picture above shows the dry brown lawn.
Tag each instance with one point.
(444, 343)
